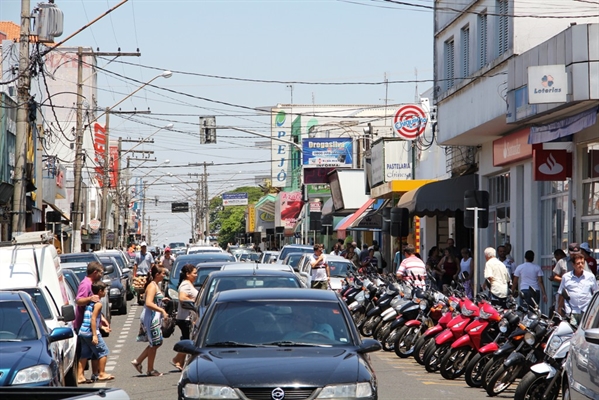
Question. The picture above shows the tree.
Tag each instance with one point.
(230, 221)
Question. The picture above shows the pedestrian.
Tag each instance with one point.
(502, 256)
(151, 321)
(581, 285)
(320, 270)
(497, 274)
(85, 295)
(144, 261)
(356, 249)
(336, 250)
(452, 249)
(352, 256)
(530, 276)
(380, 261)
(565, 264)
(466, 268)
(585, 249)
(412, 268)
(397, 259)
(370, 263)
(92, 344)
(167, 260)
(449, 265)
(187, 291)
(363, 253)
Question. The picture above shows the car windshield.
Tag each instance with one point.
(294, 259)
(15, 322)
(82, 257)
(220, 284)
(287, 249)
(276, 323)
(39, 299)
(80, 271)
(339, 268)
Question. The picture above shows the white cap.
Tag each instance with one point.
(142, 244)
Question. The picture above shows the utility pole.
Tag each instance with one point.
(206, 205)
(143, 209)
(203, 197)
(105, 182)
(19, 205)
(77, 212)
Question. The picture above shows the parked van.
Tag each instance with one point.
(35, 269)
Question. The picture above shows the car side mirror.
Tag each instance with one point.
(67, 313)
(592, 336)
(369, 345)
(60, 333)
(186, 347)
(108, 270)
(126, 271)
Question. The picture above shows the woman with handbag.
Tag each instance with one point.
(187, 291)
(150, 329)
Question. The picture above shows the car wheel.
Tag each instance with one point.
(123, 307)
(70, 378)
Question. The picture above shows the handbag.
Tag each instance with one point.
(168, 326)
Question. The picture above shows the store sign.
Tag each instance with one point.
(511, 148)
(552, 165)
(251, 219)
(409, 121)
(377, 160)
(266, 217)
(315, 206)
(280, 152)
(288, 208)
(235, 199)
(547, 84)
(113, 154)
(396, 162)
(327, 152)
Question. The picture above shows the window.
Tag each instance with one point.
(465, 44)
(502, 26)
(449, 63)
(499, 208)
(482, 37)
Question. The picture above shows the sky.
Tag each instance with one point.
(276, 51)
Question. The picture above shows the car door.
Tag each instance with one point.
(584, 353)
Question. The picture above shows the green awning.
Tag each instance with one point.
(267, 204)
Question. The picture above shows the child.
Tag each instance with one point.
(92, 342)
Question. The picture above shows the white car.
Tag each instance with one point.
(204, 249)
(339, 267)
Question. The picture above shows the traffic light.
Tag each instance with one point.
(476, 199)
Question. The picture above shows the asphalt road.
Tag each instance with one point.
(397, 378)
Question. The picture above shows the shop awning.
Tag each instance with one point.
(362, 210)
(267, 204)
(439, 198)
(343, 221)
(372, 220)
(58, 210)
(389, 189)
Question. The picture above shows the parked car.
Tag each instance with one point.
(204, 249)
(229, 279)
(339, 268)
(278, 343)
(126, 265)
(293, 260)
(30, 353)
(294, 248)
(79, 257)
(117, 283)
(78, 270)
(582, 365)
(269, 256)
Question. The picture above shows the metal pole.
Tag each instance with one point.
(206, 205)
(19, 205)
(105, 183)
(143, 209)
(474, 270)
(76, 213)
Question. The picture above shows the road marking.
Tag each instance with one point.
(446, 383)
(121, 341)
(118, 345)
(109, 368)
(116, 351)
(100, 385)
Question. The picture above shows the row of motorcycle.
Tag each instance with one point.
(491, 346)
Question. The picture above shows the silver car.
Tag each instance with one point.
(582, 365)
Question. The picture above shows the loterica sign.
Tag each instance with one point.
(547, 84)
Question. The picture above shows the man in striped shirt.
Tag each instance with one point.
(411, 264)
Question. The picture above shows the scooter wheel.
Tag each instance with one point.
(405, 341)
(474, 370)
(433, 356)
(490, 368)
(502, 379)
(533, 386)
(454, 363)
(420, 347)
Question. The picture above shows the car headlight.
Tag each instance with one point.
(35, 374)
(195, 391)
(529, 338)
(503, 325)
(553, 345)
(115, 292)
(350, 390)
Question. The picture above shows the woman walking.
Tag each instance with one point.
(151, 320)
(466, 266)
(187, 291)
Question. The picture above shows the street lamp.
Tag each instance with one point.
(79, 166)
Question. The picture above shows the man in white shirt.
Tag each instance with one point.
(412, 268)
(498, 275)
(581, 285)
(320, 270)
(530, 276)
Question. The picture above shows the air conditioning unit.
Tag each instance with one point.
(48, 22)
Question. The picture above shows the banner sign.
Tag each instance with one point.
(288, 208)
(409, 121)
(327, 152)
(547, 84)
(251, 220)
(235, 199)
(113, 162)
(552, 165)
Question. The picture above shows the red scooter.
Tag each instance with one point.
(455, 329)
(481, 331)
(428, 337)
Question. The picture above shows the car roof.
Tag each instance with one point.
(337, 258)
(252, 272)
(251, 266)
(73, 264)
(276, 294)
(207, 255)
(299, 246)
(10, 295)
(211, 264)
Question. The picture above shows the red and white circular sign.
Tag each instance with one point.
(94, 224)
(409, 121)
